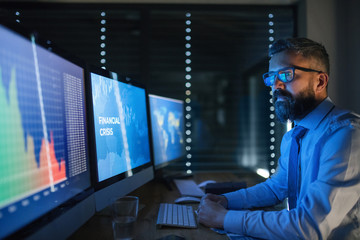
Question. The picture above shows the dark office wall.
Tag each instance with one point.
(348, 53)
(231, 121)
(335, 23)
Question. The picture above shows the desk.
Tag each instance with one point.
(151, 195)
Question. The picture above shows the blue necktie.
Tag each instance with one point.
(297, 134)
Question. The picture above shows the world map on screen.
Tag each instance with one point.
(167, 122)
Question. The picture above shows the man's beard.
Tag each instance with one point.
(293, 108)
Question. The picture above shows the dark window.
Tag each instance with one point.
(230, 116)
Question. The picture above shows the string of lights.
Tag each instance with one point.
(272, 108)
(102, 39)
(17, 16)
(188, 91)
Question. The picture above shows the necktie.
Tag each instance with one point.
(297, 134)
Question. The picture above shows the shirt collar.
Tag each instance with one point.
(312, 120)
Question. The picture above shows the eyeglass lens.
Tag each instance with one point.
(285, 75)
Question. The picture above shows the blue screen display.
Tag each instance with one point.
(167, 124)
(121, 127)
(43, 153)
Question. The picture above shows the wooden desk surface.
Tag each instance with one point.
(151, 195)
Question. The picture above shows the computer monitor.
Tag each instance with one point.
(167, 125)
(121, 147)
(44, 169)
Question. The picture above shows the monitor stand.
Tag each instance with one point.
(166, 177)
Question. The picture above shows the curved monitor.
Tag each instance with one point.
(167, 125)
(121, 152)
(44, 170)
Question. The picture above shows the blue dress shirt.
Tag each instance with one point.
(328, 205)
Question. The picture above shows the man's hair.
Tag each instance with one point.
(305, 47)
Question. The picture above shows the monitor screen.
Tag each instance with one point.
(121, 136)
(167, 125)
(43, 153)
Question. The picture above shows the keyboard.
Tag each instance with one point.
(175, 215)
(188, 188)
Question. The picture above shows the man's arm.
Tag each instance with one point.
(212, 209)
(268, 193)
(330, 206)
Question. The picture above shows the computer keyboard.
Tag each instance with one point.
(188, 188)
(176, 215)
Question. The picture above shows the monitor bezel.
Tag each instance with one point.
(91, 129)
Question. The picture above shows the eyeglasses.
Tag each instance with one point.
(285, 74)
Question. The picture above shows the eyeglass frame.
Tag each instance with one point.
(276, 73)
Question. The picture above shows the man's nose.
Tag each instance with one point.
(278, 84)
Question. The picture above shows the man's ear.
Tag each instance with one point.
(322, 82)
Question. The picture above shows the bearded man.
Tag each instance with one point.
(319, 167)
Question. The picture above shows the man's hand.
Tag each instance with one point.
(216, 198)
(211, 211)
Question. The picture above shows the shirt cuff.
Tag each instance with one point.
(234, 222)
